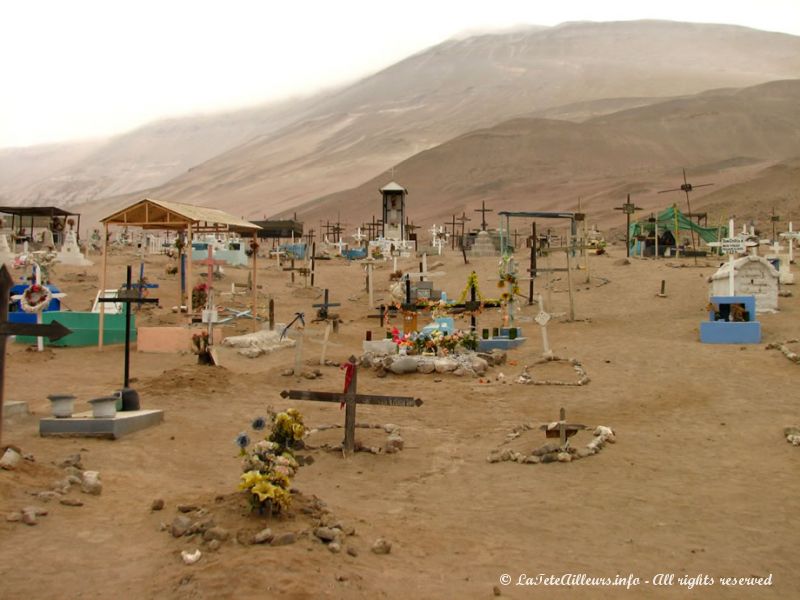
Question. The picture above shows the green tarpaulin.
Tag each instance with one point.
(666, 221)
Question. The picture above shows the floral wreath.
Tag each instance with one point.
(35, 298)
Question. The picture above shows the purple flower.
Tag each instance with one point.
(242, 440)
(258, 423)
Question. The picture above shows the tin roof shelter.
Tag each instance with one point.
(150, 213)
(38, 216)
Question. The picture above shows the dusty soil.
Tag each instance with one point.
(700, 480)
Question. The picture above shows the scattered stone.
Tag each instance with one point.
(201, 525)
(394, 443)
(73, 460)
(29, 457)
(546, 449)
(91, 483)
(71, 502)
(496, 591)
(335, 547)
(190, 558)
(264, 536)
(214, 545)
(75, 480)
(287, 372)
(29, 518)
(10, 459)
(792, 435)
(548, 458)
(72, 471)
(382, 546)
(14, 517)
(216, 533)
(157, 504)
(185, 508)
(532, 460)
(479, 365)
(341, 577)
(180, 525)
(47, 496)
(327, 534)
(351, 550)
(445, 364)
(284, 539)
(36, 510)
(564, 457)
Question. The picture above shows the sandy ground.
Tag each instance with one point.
(700, 481)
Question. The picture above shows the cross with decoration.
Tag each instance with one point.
(35, 299)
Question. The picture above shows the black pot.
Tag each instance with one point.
(130, 399)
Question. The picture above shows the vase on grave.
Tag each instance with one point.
(62, 405)
(105, 407)
(129, 399)
(512, 333)
(485, 334)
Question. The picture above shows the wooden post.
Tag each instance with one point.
(313, 262)
(189, 281)
(350, 410)
(562, 431)
(569, 286)
(298, 352)
(104, 268)
(255, 281)
(271, 314)
(369, 285)
(534, 242)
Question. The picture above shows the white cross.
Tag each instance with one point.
(38, 279)
(542, 319)
(340, 245)
(358, 236)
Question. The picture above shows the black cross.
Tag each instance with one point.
(322, 313)
(127, 298)
(350, 398)
(54, 331)
(383, 313)
(483, 210)
(628, 208)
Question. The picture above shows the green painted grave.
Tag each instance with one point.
(84, 326)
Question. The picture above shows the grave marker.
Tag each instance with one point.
(561, 429)
(127, 298)
(54, 331)
(349, 398)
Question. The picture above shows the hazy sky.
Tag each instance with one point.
(87, 68)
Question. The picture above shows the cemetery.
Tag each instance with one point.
(393, 377)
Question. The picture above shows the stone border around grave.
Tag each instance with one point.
(551, 451)
(394, 441)
(460, 364)
(792, 435)
(583, 377)
(784, 348)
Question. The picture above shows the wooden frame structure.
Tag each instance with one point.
(149, 213)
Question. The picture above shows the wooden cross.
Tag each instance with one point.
(54, 330)
(561, 429)
(629, 208)
(127, 298)
(349, 399)
(383, 314)
(304, 271)
(483, 210)
(309, 237)
(210, 262)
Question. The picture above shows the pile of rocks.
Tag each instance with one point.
(321, 526)
(526, 378)
(394, 441)
(261, 342)
(74, 475)
(551, 451)
(474, 364)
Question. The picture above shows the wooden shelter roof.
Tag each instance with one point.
(149, 213)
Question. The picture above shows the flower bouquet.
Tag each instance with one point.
(269, 464)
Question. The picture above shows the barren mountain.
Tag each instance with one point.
(340, 139)
(540, 164)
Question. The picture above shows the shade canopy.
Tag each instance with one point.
(149, 213)
(672, 219)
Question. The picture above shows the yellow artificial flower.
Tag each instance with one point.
(250, 479)
(298, 431)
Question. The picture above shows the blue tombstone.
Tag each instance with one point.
(15, 312)
(719, 329)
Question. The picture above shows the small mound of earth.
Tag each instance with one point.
(194, 377)
(376, 439)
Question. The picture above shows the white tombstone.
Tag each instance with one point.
(6, 255)
(754, 276)
(70, 253)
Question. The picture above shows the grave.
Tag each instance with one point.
(348, 400)
(70, 253)
(483, 246)
(753, 276)
(85, 425)
(721, 328)
(501, 338)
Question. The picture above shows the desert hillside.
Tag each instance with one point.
(260, 162)
(538, 164)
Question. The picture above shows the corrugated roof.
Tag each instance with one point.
(150, 213)
(393, 186)
(36, 211)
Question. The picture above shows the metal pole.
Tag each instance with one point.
(102, 316)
